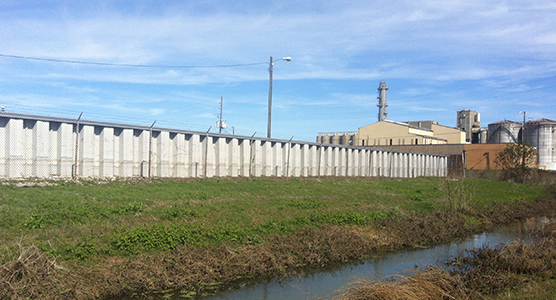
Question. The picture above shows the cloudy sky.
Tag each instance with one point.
(437, 57)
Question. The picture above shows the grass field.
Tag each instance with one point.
(146, 234)
(77, 220)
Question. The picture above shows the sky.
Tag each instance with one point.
(64, 58)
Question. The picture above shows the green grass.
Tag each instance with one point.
(76, 221)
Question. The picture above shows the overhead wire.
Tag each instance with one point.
(128, 65)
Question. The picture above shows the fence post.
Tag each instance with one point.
(151, 147)
(76, 147)
(251, 157)
(206, 150)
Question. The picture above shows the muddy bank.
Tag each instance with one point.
(36, 275)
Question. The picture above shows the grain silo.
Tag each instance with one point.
(504, 132)
(541, 134)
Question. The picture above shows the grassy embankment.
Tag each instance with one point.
(89, 240)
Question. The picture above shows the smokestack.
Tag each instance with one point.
(382, 102)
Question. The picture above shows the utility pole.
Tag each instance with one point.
(220, 122)
(270, 70)
(523, 147)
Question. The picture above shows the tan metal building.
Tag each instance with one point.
(396, 133)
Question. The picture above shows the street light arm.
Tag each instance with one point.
(287, 58)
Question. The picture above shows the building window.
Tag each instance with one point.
(390, 142)
(416, 141)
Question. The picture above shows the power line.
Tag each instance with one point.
(126, 65)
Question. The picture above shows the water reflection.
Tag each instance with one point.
(324, 283)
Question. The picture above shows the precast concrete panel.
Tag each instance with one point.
(66, 138)
(15, 145)
(256, 157)
(3, 146)
(356, 163)
(276, 150)
(53, 151)
(295, 160)
(28, 152)
(220, 157)
(244, 157)
(323, 161)
(141, 153)
(210, 158)
(41, 151)
(312, 161)
(126, 152)
(320, 159)
(265, 158)
(284, 158)
(196, 153)
(233, 156)
(334, 159)
(164, 153)
(406, 165)
(95, 143)
(86, 151)
(106, 151)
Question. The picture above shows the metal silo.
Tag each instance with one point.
(504, 132)
(541, 134)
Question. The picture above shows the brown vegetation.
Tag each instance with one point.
(36, 275)
(481, 274)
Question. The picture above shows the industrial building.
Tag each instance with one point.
(386, 132)
(469, 121)
(430, 136)
(541, 134)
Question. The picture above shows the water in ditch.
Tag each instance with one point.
(314, 284)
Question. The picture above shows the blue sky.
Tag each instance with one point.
(437, 57)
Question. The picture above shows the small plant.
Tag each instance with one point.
(304, 204)
(458, 193)
(418, 196)
(34, 222)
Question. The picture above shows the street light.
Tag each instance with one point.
(523, 130)
(270, 70)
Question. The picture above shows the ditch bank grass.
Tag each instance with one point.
(515, 271)
(201, 234)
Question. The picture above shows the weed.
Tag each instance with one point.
(34, 222)
(459, 193)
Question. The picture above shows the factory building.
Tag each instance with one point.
(396, 133)
(386, 132)
(541, 134)
(469, 121)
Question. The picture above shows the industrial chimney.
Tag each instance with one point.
(382, 103)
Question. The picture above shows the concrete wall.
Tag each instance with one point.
(41, 146)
